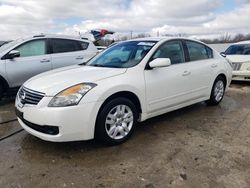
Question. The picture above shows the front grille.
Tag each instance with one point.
(236, 66)
(28, 96)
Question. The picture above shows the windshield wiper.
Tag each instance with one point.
(84, 63)
(107, 66)
(97, 65)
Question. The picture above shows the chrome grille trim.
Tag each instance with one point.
(28, 96)
(236, 66)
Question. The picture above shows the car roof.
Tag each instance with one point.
(40, 36)
(244, 42)
(151, 39)
(157, 39)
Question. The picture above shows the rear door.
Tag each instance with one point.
(65, 52)
(33, 60)
(202, 68)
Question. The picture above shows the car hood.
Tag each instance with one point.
(53, 82)
(239, 58)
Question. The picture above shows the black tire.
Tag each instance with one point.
(1, 90)
(101, 126)
(214, 100)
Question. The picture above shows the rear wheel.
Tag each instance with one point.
(116, 121)
(218, 91)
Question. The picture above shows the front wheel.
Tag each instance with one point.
(116, 121)
(217, 92)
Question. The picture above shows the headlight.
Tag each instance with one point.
(71, 96)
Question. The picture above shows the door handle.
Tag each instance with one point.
(186, 73)
(214, 65)
(45, 61)
(79, 57)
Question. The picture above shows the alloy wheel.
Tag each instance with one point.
(219, 90)
(119, 122)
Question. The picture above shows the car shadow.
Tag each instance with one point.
(7, 109)
(141, 129)
(8, 98)
(239, 84)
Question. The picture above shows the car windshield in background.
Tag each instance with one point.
(238, 50)
(123, 55)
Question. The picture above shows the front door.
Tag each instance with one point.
(167, 87)
(32, 61)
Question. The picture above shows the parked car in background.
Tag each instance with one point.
(23, 58)
(239, 55)
(129, 82)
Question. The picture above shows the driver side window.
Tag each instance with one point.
(172, 50)
(32, 48)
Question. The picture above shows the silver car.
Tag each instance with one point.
(24, 58)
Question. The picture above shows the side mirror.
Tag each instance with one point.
(160, 62)
(13, 54)
(223, 54)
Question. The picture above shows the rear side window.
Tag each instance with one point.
(32, 48)
(84, 45)
(198, 51)
(65, 45)
(172, 50)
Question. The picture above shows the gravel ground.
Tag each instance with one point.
(198, 146)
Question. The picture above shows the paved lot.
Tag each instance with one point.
(198, 146)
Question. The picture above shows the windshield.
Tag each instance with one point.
(10, 44)
(238, 50)
(123, 55)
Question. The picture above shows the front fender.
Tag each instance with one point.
(126, 82)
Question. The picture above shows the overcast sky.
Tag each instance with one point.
(199, 18)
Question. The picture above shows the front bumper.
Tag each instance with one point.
(241, 75)
(73, 123)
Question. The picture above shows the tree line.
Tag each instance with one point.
(225, 38)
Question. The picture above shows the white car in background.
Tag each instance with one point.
(239, 55)
(129, 82)
(24, 58)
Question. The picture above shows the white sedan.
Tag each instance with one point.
(128, 83)
(239, 55)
